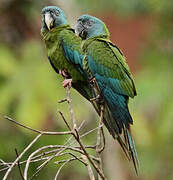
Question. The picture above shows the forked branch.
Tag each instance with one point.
(74, 148)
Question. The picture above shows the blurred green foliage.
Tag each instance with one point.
(29, 90)
(127, 8)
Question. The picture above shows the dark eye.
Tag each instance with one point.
(90, 23)
(57, 13)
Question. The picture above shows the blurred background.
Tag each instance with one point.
(30, 89)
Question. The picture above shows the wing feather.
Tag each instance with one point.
(108, 61)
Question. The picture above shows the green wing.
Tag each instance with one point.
(106, 60)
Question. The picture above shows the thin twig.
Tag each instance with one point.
(20, 156)
(104, 140)
(62, 100)
(71, 144)
(30, 157)
(4, 169)
(90, 171)
(60, 150)
(100, 133)
(63, 161)
(72, 159)
(89, 158)
(56, 176)
(37, 158)
(43, 164)
(76, 136)
(78, 159)
(4, 163)
(64, 120)
(99, 142)
(37, 131)
(70, 108)
(51, 157)
(92, 130)
(18, 164)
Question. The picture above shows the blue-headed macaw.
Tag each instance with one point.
(104, 62)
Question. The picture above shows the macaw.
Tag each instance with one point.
(104, 62)
(63, 49)
(65, 54)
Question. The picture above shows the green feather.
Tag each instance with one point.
(55, 52)
(105, 53)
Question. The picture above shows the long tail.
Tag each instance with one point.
(113, 129)
(116, 118)
(127, 145)
(108, 119)
(131, 148)
(118, 121)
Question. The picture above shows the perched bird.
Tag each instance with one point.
(66, 57)
(63, 49)
(105, 63)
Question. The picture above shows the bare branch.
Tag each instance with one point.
(70, 108)
(99, 149)
(73, 147)
(18, 163)
(4, 169)
(56, 176)
(20, 156)
(90, 172)
(4, 163)
(64, 120)
(63, 161)
(90, 159)
(76, 136)
(37, 131)
(78, 159)
(62, 100)
(92, 130)
(42, 165)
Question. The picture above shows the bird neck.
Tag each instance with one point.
(48, 34)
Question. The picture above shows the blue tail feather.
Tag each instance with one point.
(118, 107)
(119, 119)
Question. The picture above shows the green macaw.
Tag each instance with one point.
(63, 49)
(66, 57)
(105, 63)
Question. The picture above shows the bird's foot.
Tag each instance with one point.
(64, 73)
(67, 82)
(95, 98)
(99, 99)
(92, 80)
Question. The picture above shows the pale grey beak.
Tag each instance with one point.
(48, 20)
(78, 28)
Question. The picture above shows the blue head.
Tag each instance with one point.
(53, 16)
(90, 26)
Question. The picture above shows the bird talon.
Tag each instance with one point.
(95, 98)
(64, 73)
(67, 82)
(99, 99)
(92, 80)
